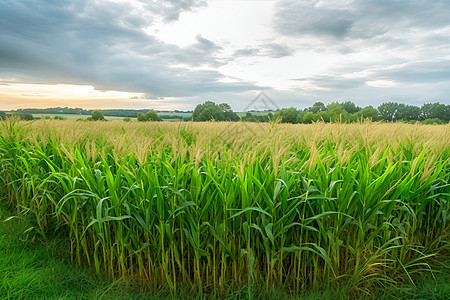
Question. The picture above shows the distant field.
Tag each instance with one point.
(162, 114)
(73, 117)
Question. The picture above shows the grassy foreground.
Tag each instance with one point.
(357, 207)
(36, 270)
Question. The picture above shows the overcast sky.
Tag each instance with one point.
(177, 54)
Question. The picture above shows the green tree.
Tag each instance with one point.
(206, 112)
(287, 115)
(435, 110)
(317, 107)
(334, 113)
(310, 117)
(228, 113)
(2, 115)
(97, 115)
(350, 107)
(141, 117)
(390, 111)
(410, 112)
(210, 111)
(25, 117)
(368, 113)
(152, 116)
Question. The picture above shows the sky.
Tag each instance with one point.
(177, 54)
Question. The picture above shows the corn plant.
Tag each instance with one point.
(280, 206)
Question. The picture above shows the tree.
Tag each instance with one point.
(368, 112)
(350, 107)
(2, 115)
(389, 111)
(152, 116)
(334, 113)
(249, 117)
(206, 112)
(25, 117)
(210, 111)
(317, 107)
(410, 112)
(288, 115)
(228, 113)
(309, 117)
(435, 110)
(97, 115)
(141, 117)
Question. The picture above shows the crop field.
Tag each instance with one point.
(215, 206)
(72, 116)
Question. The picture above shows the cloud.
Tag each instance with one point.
(246, 52)
(357, 19)
(354, 49)
(385, 49)
(300, 18)
(418, 72)
(202, 53)
(329, 82)
(273, 50)
(170, 10)
(105, 44)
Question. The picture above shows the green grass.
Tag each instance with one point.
(36, 270)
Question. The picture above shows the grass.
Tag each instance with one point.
(31, 270)
(216, 206)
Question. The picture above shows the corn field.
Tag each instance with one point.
(218, 205)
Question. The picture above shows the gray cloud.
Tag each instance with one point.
(412, 82)
(277, 50)
(325, 81)
(306, 18)
(409, 40)
(273, 50)
(105, 45)
(435, 71)
(202, 52)
(170, 10)
(246, 52)
(357, 19)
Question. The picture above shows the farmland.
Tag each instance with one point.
(218, 205)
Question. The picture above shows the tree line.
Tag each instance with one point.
(130, 113)
(348, 111)
(333, 112)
